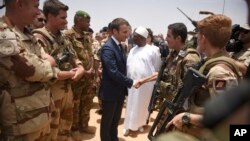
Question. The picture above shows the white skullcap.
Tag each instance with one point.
(142, 31)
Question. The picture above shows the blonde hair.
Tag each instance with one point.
(217, 29)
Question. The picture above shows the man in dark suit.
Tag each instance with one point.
(114, 81)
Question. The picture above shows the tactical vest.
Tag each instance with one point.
(61, 50)
(169, 87)
(199, 97)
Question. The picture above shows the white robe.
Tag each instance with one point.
(141, 62)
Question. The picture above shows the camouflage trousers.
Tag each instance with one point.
(40, 135)
(97, 88)
(62, 113)
(84, 92)
(99, 97)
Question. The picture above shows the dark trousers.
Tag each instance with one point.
(110, 119)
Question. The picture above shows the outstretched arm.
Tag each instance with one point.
(150, 78)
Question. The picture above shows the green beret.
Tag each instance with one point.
(82, 14)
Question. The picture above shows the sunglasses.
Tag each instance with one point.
(42, 20)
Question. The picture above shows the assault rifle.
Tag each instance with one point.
(195, 22)
(156, 90)
(192, 21)
(191, 82)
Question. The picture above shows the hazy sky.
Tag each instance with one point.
(156, 14)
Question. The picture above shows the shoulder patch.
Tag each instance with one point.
(8, 44)
(220, 84)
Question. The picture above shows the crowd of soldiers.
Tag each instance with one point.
(50, 74)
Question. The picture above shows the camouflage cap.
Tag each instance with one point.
(82, 14)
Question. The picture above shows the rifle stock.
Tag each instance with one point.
(191, 82)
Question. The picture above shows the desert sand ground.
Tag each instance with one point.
(133, 136)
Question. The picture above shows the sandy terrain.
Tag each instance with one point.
(133, 136)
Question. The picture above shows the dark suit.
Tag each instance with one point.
(113, 88)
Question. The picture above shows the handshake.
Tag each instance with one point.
(138, 83)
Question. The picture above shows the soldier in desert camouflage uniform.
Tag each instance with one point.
(84, 90)
(221, 71)
(178, 61)
(96, 46)
(243, 56)
(57, 45)
(25, 71)
(180, 58)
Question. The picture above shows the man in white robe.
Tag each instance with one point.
(143, 60)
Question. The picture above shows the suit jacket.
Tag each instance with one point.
(114, 83)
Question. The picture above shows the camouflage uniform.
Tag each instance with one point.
(83, 90)
(177, 65)
(221, 75)
(25, 97)
(96, 46)
(104, 41)
(242, 56)
(62, 115)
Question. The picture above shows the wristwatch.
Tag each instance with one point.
(186, 118)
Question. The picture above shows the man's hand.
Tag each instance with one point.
(63, 75)
(138, 83)
(79, 71)
(176, 122)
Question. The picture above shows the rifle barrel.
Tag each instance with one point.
(192, 21)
